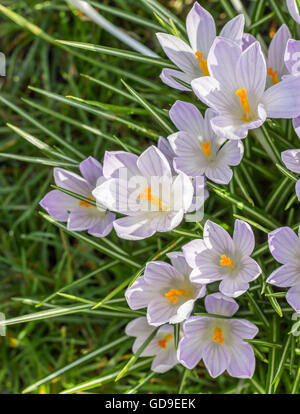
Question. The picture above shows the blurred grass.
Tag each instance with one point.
(37, 259)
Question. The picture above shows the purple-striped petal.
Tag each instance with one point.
(116, 160)
(292, 56)
(187, 117)
(233, 287)
(284, 245)
(242, 360)
(218, 304)
(216, 358)
(192, 249)
(294, 10)
(277, 51)
(104, 225)
(137, 227)
(153, 163)
(83, 218)
(243, 329)
(243, 237)
(296, 124)
(72, 182)
(293, 297)
(217, 238)
(247, 40)
(285, 276)
(291, 159)
(283, 99)
(91, 170)
(169, 76)
(59, 204)
(234, 29)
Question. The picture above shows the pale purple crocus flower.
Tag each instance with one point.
(166, 290)
(236, 90)
(292, 62)
(191, 58)
(291, 159)
(143, 189)
(78, 214)
(284, 245)
(220, 257)
(198, 149)
(276, 67)
(162, 346)
(294, 10)
(218, 341)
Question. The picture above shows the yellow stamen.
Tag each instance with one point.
(153, 199)
(84, 203)
(173, 294)
(218, 336)
(274, 76)
(226, 261)
(242, 94)
(203, 63)
(163, 342)
(206, 148)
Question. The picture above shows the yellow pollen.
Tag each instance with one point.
(206, 148)
(84, 203)
(242, 94)
(146, 195)
(226, 261)
(163, 342)
(173, 294)
(218, 336)
(203, 63)
(274, 76)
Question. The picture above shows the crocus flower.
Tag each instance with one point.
(292, 62)
(191, 58)
(236, 90)
(218, 341)
(157, 205)
(220, 257)
(276, 67)
(285, 248)
(162, 345)
(294, 10)
(198, 149)
(166, 291)
(291, 159)
(79, 215)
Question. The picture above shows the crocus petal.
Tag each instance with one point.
(138, 294)
(248, 78)
(83, 218)
(284, 245)
(218, 304)
(201, 29)
(242, 360)
(155, 270)
(187, 117)
(116, 160)
(192, 249)
(189, 351)
(283, 99)
(114, 195)
(164, 146)
(243, 237)
(159, 311)
(220, 174)
(292, 56)
(164, 361)
(153, 163)
(179, 263)
(231, 153)
(217, 238)
(169, 76)
(179, 52)
(139, 327)
(216, 358)
(285, 276)
(134, 227)
(291, 159)
(293, 297)
(298, 189)
(208, 90)
(234, 29)
(247, 40)
(71, 181)
(293, 9)
(233, 287)
(249, 269)
(296, 124)
(91, 170)
(104, 225)
(59, 204)
(206, 273)
(183, 191)
(277, 50)
(183, 312)
(222, 59)
(243, 329)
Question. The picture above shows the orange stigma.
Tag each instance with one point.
(206, 149)
(146, 195)
(163, 342)
(226, 261)
(242, 94)
(173, 294)
(85, 204)
(203, 63)
(218, 336)
(274, 76)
